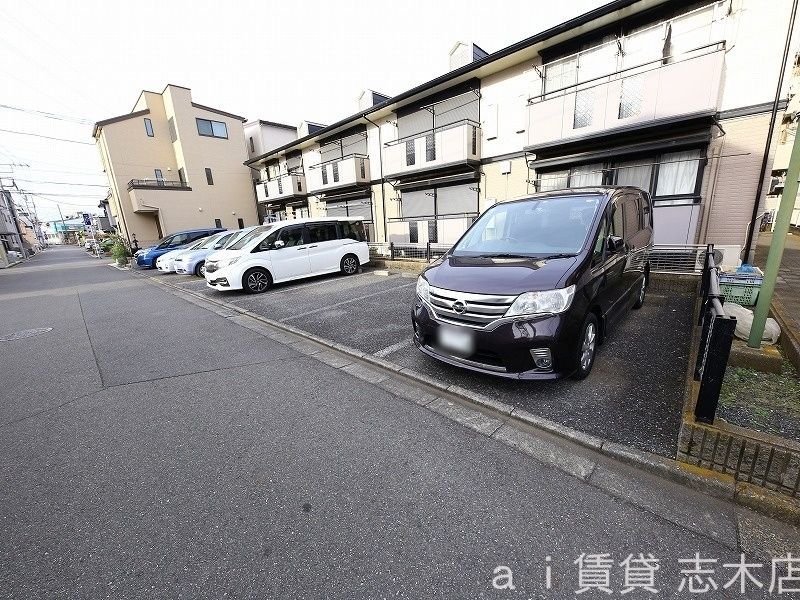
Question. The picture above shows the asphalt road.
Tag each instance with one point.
(633, 396)
(150, 448)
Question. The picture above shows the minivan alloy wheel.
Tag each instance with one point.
(257, 281)
(349, 265)
(588, 345)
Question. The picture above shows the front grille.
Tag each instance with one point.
(478, 309)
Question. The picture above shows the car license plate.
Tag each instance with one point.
(456, 339)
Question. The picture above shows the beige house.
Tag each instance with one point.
(173, 164)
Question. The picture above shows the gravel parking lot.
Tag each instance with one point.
(633, 396)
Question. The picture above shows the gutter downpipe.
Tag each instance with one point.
(383, 191)
(748, 247)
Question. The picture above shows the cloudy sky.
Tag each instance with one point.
(68, 64)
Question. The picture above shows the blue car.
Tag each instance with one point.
(147, 257)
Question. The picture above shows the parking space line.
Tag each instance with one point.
(343, 302)
(393, 348)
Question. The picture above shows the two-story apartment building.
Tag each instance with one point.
(10, 236)
(674, 97)
(173, 164)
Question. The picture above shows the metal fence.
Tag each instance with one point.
(676, 259)
(715, 340)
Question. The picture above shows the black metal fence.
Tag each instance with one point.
(715, 340)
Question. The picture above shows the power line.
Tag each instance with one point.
(47, 137)
(57, 182)
(48, 115)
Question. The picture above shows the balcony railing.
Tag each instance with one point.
(633, 96)
(287, 185)
(352, 170)
(157, 183)
(452, 144)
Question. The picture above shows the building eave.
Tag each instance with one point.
(219, 112)
(100, 124)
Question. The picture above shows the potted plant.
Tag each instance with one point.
(120, 253)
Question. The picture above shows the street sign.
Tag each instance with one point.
(87, 219)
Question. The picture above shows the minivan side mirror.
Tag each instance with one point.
(615, 244)
(278, 244)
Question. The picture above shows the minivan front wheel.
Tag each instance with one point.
(587, 346)
(200, 269)
(349, 265)
(256, 281)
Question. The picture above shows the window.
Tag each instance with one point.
(159, 177)
(584, 107)
(240, 222)
(617, 221)
(490, 121)
(600, 245)
(209, 177)
(631, 97)
(631, 216)
(322, 232)
(413, 232)
(148, 127)
(252, 145)
(173, 134)
(353, 230)
(637, 173)
(216, 129)
(180, 240)
(430, 147)
(555, 180)
(433, 232)
(560, 74)
(335, 171)
(586, 175)
(324, 174)
(217, 223)
(280, 185)
(677, 173)
(410, 155)
(292, 236)
(182, 175)
(534, 227)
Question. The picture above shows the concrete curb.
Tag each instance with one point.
(704, 480)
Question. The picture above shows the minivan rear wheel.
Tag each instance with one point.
(256, 281)
(349, 264)
(587, 346)
(640, 294)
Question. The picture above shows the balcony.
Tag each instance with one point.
(634, 97)
(281, 187)
(148, 195)
(459, 143)
(157, 184)
(350, 171)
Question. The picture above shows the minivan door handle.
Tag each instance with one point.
(301, 248)
(314, 246)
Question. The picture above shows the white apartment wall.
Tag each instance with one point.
(757, 33)
(266, 137)
(508, 92)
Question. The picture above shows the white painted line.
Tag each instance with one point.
(343, 302)
(393, 348)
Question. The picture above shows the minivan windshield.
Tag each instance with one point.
(538, 228)
(249, 237)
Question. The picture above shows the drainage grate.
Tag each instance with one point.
(25, 333)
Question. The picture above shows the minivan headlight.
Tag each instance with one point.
(538, 303)
(423, 289)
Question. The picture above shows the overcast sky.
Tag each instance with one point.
(282, 61)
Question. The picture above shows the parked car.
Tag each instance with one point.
(534, 285)
(193, 262)
(147, 257)
(288, 250)
(166, 262)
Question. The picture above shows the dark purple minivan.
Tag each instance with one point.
(534, 285)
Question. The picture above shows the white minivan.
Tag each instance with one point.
(288, 250)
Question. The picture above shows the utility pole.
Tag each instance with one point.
(782, 222)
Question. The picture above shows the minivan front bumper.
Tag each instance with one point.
(504, 349)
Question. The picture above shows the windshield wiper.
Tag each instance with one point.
(548, 257)
(502, 255)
